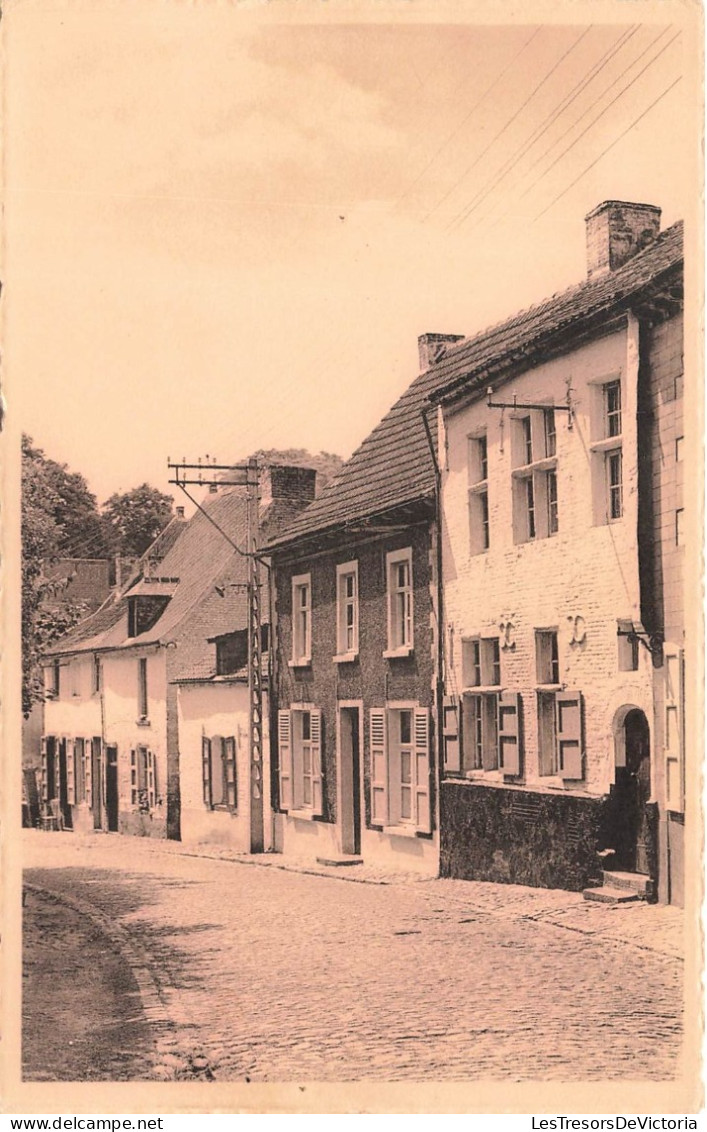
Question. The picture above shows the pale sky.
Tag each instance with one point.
(225, 232)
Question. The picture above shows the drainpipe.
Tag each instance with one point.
(440, 622)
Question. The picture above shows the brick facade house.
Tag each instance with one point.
(562, 522)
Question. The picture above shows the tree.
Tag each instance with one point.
(135, 518)
(44, 501)
(80, 531)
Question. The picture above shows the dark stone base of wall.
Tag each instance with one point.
(519, 837)
(141, 825)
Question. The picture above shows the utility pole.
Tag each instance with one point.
(241, 475)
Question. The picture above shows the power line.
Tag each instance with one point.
(549, 121)
(466, 117)
(509, 122)
(609, 147)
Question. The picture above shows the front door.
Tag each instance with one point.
(96, 783)
(63, 786)
(350, 756)
(112, 788)
(633, 791)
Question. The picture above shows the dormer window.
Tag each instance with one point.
(144, 611)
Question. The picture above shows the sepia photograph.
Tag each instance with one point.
(352, 465)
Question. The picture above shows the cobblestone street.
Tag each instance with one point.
(251, 972)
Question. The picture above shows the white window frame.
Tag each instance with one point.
(388, 782)
(301, 761)
(606, 446)
(401, 631)
(345, 649)
(535, 515)
(143, 692)
(478, 493)
(301, 648)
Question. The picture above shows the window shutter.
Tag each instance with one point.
(45, 775)
(673, 730)
(568, 718)
(423, 817)
(88, 775)
(229, 751)
(379, 768)
(71, 773)
(151, 779)
(284, 738)
(206, 770)
(133, 777)
(316, 747)
(509, 745)
(452, 746)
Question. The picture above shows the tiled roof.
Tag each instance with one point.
(394, 466)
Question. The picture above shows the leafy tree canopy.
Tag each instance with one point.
(135, 518)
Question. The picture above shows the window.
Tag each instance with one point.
(300, 760)
(144, 611)
(142, 701)
(478, 494)
(607, 463)
(547, 659)
(400, 768)
(628, 645)
(481, 662)
(219, 772)
(673, 728)
(347, 610)
(231, 652)
(142, 779)
(400, 626)
(52, 680)
(560, 734)
(535, 493)
(490, 719)
(302, 619)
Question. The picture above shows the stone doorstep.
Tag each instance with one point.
(338, 860)
(609, 895)
(640, 883)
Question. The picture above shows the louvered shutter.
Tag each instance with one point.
(509, 747)
(229, 754)
(568, 721)
(284, 749)
(151, 778)
(71, 773)
(452, 745)
(133, 778)
(206, 770)
(673, 730)
(379, 767)
(315, 717)
(45, 771)
(88, 771)
(423, 817)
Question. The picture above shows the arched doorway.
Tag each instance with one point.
(631, 794)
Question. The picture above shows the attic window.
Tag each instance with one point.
(143, 612)
(231, 653)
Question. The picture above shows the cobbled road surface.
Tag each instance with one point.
(268, 975)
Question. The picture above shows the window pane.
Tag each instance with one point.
(612, 400)
(550, 433)
(306, 725)
(527, 440)
(552, 513)
(405, 726)
(406, 766)
(615, 485)
(405, 803)
(530, 499)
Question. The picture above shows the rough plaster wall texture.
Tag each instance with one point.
(74, 715)
(371, 678)
(587, 571)
(120, 683)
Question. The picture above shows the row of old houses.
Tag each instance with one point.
(474, 649)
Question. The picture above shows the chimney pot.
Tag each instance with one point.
(616, 231)
(180, 512)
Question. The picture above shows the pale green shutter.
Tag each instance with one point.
(379, 767)
(423, 817)
(284, 738)
(509, 746)
(568, 720)
(315, 717)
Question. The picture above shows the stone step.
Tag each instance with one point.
(608, 895)
(635, 882)
(339, 860)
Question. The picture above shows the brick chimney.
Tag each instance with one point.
(433, 347)
(617, 230)
(288, 482)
